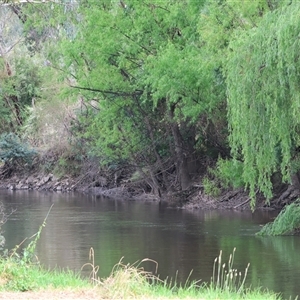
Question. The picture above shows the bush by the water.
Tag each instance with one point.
(13, 150)
(287, 222)
(226, 174)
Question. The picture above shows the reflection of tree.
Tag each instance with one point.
(274, 262)
(282, 261)
(4, 215)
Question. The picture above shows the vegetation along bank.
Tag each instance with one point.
(191, 102)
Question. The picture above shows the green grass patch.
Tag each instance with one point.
(17, 277)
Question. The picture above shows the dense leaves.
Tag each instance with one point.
(144, 64)
(263, 90)
(155, 84)
(13, 150)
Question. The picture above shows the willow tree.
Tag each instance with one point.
(264, 98)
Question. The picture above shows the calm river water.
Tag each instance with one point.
(179, 240)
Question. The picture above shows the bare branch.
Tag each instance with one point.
(122, 94)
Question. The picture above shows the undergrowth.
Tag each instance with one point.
(227, 173)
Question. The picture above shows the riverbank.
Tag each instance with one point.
(28, 281)
(94, 295)
(108, 185)
(193, 198)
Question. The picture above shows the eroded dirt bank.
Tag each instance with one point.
(193, 198)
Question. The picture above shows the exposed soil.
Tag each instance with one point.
(108, 185)
(51, 295)
(70, 295)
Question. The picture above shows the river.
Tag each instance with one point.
(180, 241)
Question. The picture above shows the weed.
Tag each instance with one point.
(226, 174)
(94, 273)
(230, 173)
(130, 280)
(227, 279)
(22, 272)
(28, 254)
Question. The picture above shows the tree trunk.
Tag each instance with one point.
(159, 162)
(181, 155)
(295, 181)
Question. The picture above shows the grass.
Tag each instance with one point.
(16, 277)
(129, 281)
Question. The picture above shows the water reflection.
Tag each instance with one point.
(179, 240)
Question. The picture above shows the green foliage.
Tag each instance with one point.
(146, 68)
(22, 278)
(67, 165)
(26, 80)
(229, 173)
(151, 66)
(287, 222)
(264, 97)
(210, 187)
(18, 91)
(13, 150)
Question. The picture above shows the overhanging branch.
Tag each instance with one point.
(122, 94)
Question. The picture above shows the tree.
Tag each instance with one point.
(263, 98)
(19, 74)
(144, 64)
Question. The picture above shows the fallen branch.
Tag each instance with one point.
(246, 201)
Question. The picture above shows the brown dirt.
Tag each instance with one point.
(51, 295)
(234, 199)
(69, 295)
(239, 199)
(193, 198)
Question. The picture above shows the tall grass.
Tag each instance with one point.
(131, 281)
(226, 278)
(287, 222)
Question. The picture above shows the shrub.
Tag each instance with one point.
(210, 187)
(13, 150)
(229, 173)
